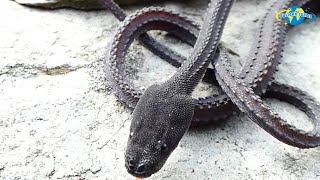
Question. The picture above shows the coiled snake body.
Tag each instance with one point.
(164, 112)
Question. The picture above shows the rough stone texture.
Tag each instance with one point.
(59, 121)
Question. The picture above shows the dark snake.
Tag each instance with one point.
(164, 112)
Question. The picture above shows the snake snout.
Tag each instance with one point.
(136, 168)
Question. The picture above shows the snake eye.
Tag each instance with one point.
(130, 135)
(164, 148)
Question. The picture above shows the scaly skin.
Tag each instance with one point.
(128, 93)
(258, 71)
(125, 36)
(150, 43)
(251, 104)
(164, 112)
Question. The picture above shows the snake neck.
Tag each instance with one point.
(192, 71)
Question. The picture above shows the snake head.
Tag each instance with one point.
(159, 121)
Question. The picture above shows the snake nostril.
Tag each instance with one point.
(131, 165)
(131, 162)
(141, 168)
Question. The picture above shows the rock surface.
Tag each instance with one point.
(59, 121)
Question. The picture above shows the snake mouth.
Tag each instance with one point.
(139, 174)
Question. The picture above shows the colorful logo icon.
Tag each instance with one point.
(295, 15)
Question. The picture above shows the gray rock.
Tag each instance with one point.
(58, 120)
